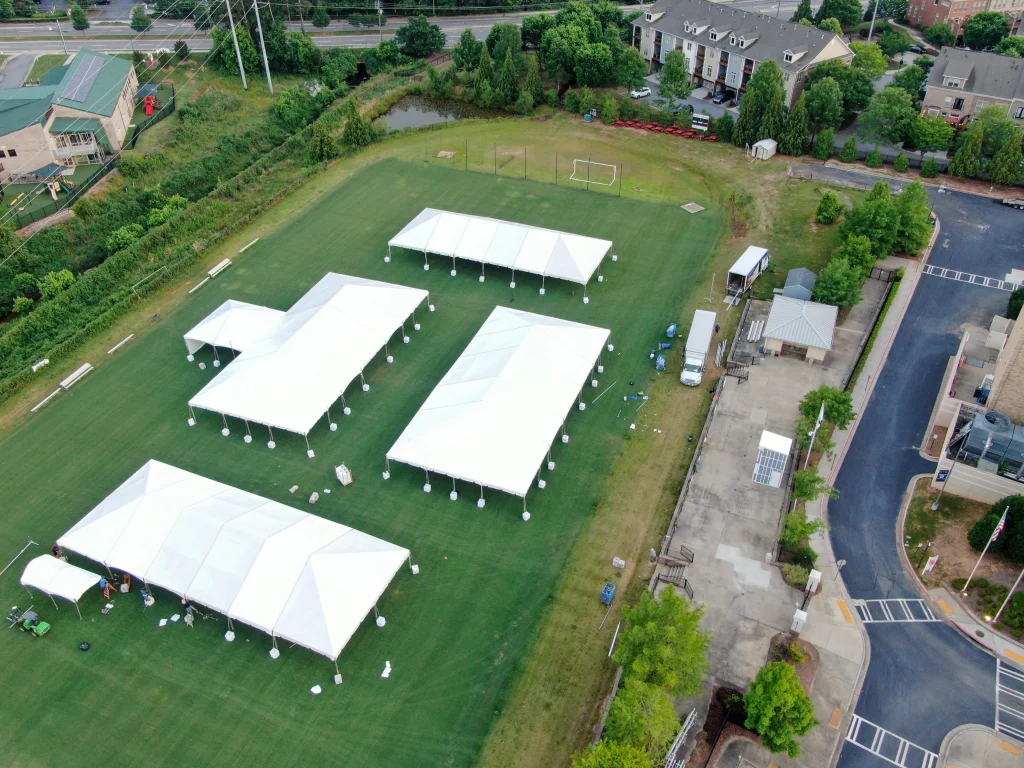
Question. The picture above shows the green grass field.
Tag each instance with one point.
(458, 633)
(43, 64)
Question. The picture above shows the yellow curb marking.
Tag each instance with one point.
(837, 716)
(1014, 655)
(1010, 748)
(945, 606)
(849, 616)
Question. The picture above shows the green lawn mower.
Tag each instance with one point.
(28, 621)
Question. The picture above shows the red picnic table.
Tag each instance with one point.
(712, 138)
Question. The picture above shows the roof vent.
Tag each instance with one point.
(1000, 421)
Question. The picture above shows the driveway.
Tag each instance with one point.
(15, 70)
(925, 678)
(695, 100)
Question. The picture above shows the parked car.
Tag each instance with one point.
(684, 108)
(917, 49)
(720, 98)
(640, 93)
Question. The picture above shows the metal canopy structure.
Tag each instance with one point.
(772, 457)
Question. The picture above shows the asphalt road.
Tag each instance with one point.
(924, 678)
(15, 70)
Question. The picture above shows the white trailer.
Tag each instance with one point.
(698, 344)
(745, 271)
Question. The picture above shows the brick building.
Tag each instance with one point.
(928, 13)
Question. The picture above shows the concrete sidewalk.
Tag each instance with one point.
(975, 746)
(977, 630)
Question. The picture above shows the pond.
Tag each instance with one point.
(417, 111)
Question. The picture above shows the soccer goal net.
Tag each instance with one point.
(590, 172)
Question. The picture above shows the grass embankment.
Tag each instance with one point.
(43, 64)
(469, 631)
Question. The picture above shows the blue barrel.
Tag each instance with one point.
(672, 330)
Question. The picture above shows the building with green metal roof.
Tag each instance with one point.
(79, 114)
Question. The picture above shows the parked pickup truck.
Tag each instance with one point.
(1016, 202)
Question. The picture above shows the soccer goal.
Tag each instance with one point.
(590, 172)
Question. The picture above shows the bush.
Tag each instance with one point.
(797, 653)
(524, 104)
(1010, 543)
(796, 575)
(779, 709)
(572, 101)
(627, 109)
(901, 164)
(1013, 306)
(804, 556)
(54, 283)
(181, 50)
(874, 159)
(587, 100)
(848, 154)
(825, 145)
(552, 98)
(930, 168)
(23, 304)
(829, 209)
(123, 237)
(609, 110)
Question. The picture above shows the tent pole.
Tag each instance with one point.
(306, 438)
(375, 613)
(329, 419)
(29, 592)
(425, 262)
(362, 379)
(54, 603)
(387, 464)
(343, 405)
(79, 611)
(110, 573)
(215, 356)
(191, 412)
(247, 431)
(225, 420)
(403, 330)
(232, 352)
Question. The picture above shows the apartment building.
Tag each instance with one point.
(963, 82)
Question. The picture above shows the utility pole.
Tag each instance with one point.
(61, 36)
(238, 52)
(380, 21)
(263, 48)
(874, 15)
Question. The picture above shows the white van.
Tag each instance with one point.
(698, 344)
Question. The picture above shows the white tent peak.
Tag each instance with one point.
(235, 325)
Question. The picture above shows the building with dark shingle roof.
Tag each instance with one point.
(800, 284)
(963, 82)
(724, 45)
(78, 115)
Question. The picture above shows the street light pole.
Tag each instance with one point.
(62, 41)
(935, 504)
(871, 29)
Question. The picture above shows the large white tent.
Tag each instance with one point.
(289, 378)
(492, 418)
(544, 252)
(56, 577)
(235, 325)
(291, 574)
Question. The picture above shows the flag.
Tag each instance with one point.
(999, 526)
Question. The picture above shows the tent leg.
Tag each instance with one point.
(29, 592)
(191, 413)
(375, 612)
(306, 438)
(232, 352)
(363, 380)
(110, 573)
(215, 356)
(54, 603)
(79, 611)
(329, 419)
(272, 442)
(387, 464)
(247, 430)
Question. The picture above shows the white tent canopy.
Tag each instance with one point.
(235, 325)
(291, 574)
(544, 252)
(55, 577)
(289, 378)
(493, 417)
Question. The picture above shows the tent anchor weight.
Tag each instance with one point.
(344, 407)
(270, 443)
(225, 431)
(309, 451)
(426, 485)
(248, 433)
(480, 502)
(454, 495)
(366, 387)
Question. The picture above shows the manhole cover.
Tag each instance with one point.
(979, 633)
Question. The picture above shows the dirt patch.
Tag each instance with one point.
(723, 723)
(799, 654)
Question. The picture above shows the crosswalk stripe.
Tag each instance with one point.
(903, 747)
(894, 611)
(967, 277)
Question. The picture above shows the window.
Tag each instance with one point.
(743, 43)
(689, 46)
(948, 101)
(785, 76)
(649, 17)
(12, 153)
(953, 82)
(3, 153)
(713, 35)
(787, 57)
(1019, 114)
(958, 103)
(687, 27)
(709, 70)
(732, 39)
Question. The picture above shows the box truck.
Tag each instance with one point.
(698, 344)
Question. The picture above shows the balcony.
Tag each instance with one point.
(88, 148)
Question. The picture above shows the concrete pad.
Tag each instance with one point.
(750, 572)
(975, 746)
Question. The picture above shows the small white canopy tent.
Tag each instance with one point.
(290, 378)
(235, 325)
(492, 418)
(55, 577)
(291, 574)
(544, 252)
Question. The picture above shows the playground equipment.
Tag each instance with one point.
(151, 104)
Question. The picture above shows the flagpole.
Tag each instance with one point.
(1008, 596)
(993, 537)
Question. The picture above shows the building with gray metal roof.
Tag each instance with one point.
(800, 327)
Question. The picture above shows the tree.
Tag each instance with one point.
(337, 65)
(825, 144)
(876, 218)
(534, 86)
(931, 133)
(874, 158)
(803, 11)
(664, 644)
(22, 304)
(855, 84)
(293, 109)
(609, 109)
(1014, 305)
(675, 77)
(558, 49)
(797, 528)
(79, 21)
(824, 104)
(838, 406)
(869, 57)
(484, 95)
(915, 227)
(838, 284)
(358, 130)
(941, 35)
(901, 163)
(524, 104)
(1008, 46)
(778, 708)
(893, 43)
(580, 15)
(140, 20)
(912, 80)
(997, 125)
(966, 163)
(726, 124)
(848, 154)
(848, 12)
(322, 146)
(631, 67)
(594, 65)
(419, 37)
(508, 81)
(587, 100)
(467, 53)
(762, 111)
(223, 56)
(504, 38)
(1005, 167)
(1010, 543)
(795, 139)
(181, 50)
(608, 754)
(6, 10)
(986, 29)
(321, 19)
(889, 116)
(830, 208)
(858, 251)
(930, 168)
(205, 16)
(534, 28)
(301, 55)
(572, 101)
(120, 239)
(643, 716)
(54, 283)
(831, 25)
(484, 67)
